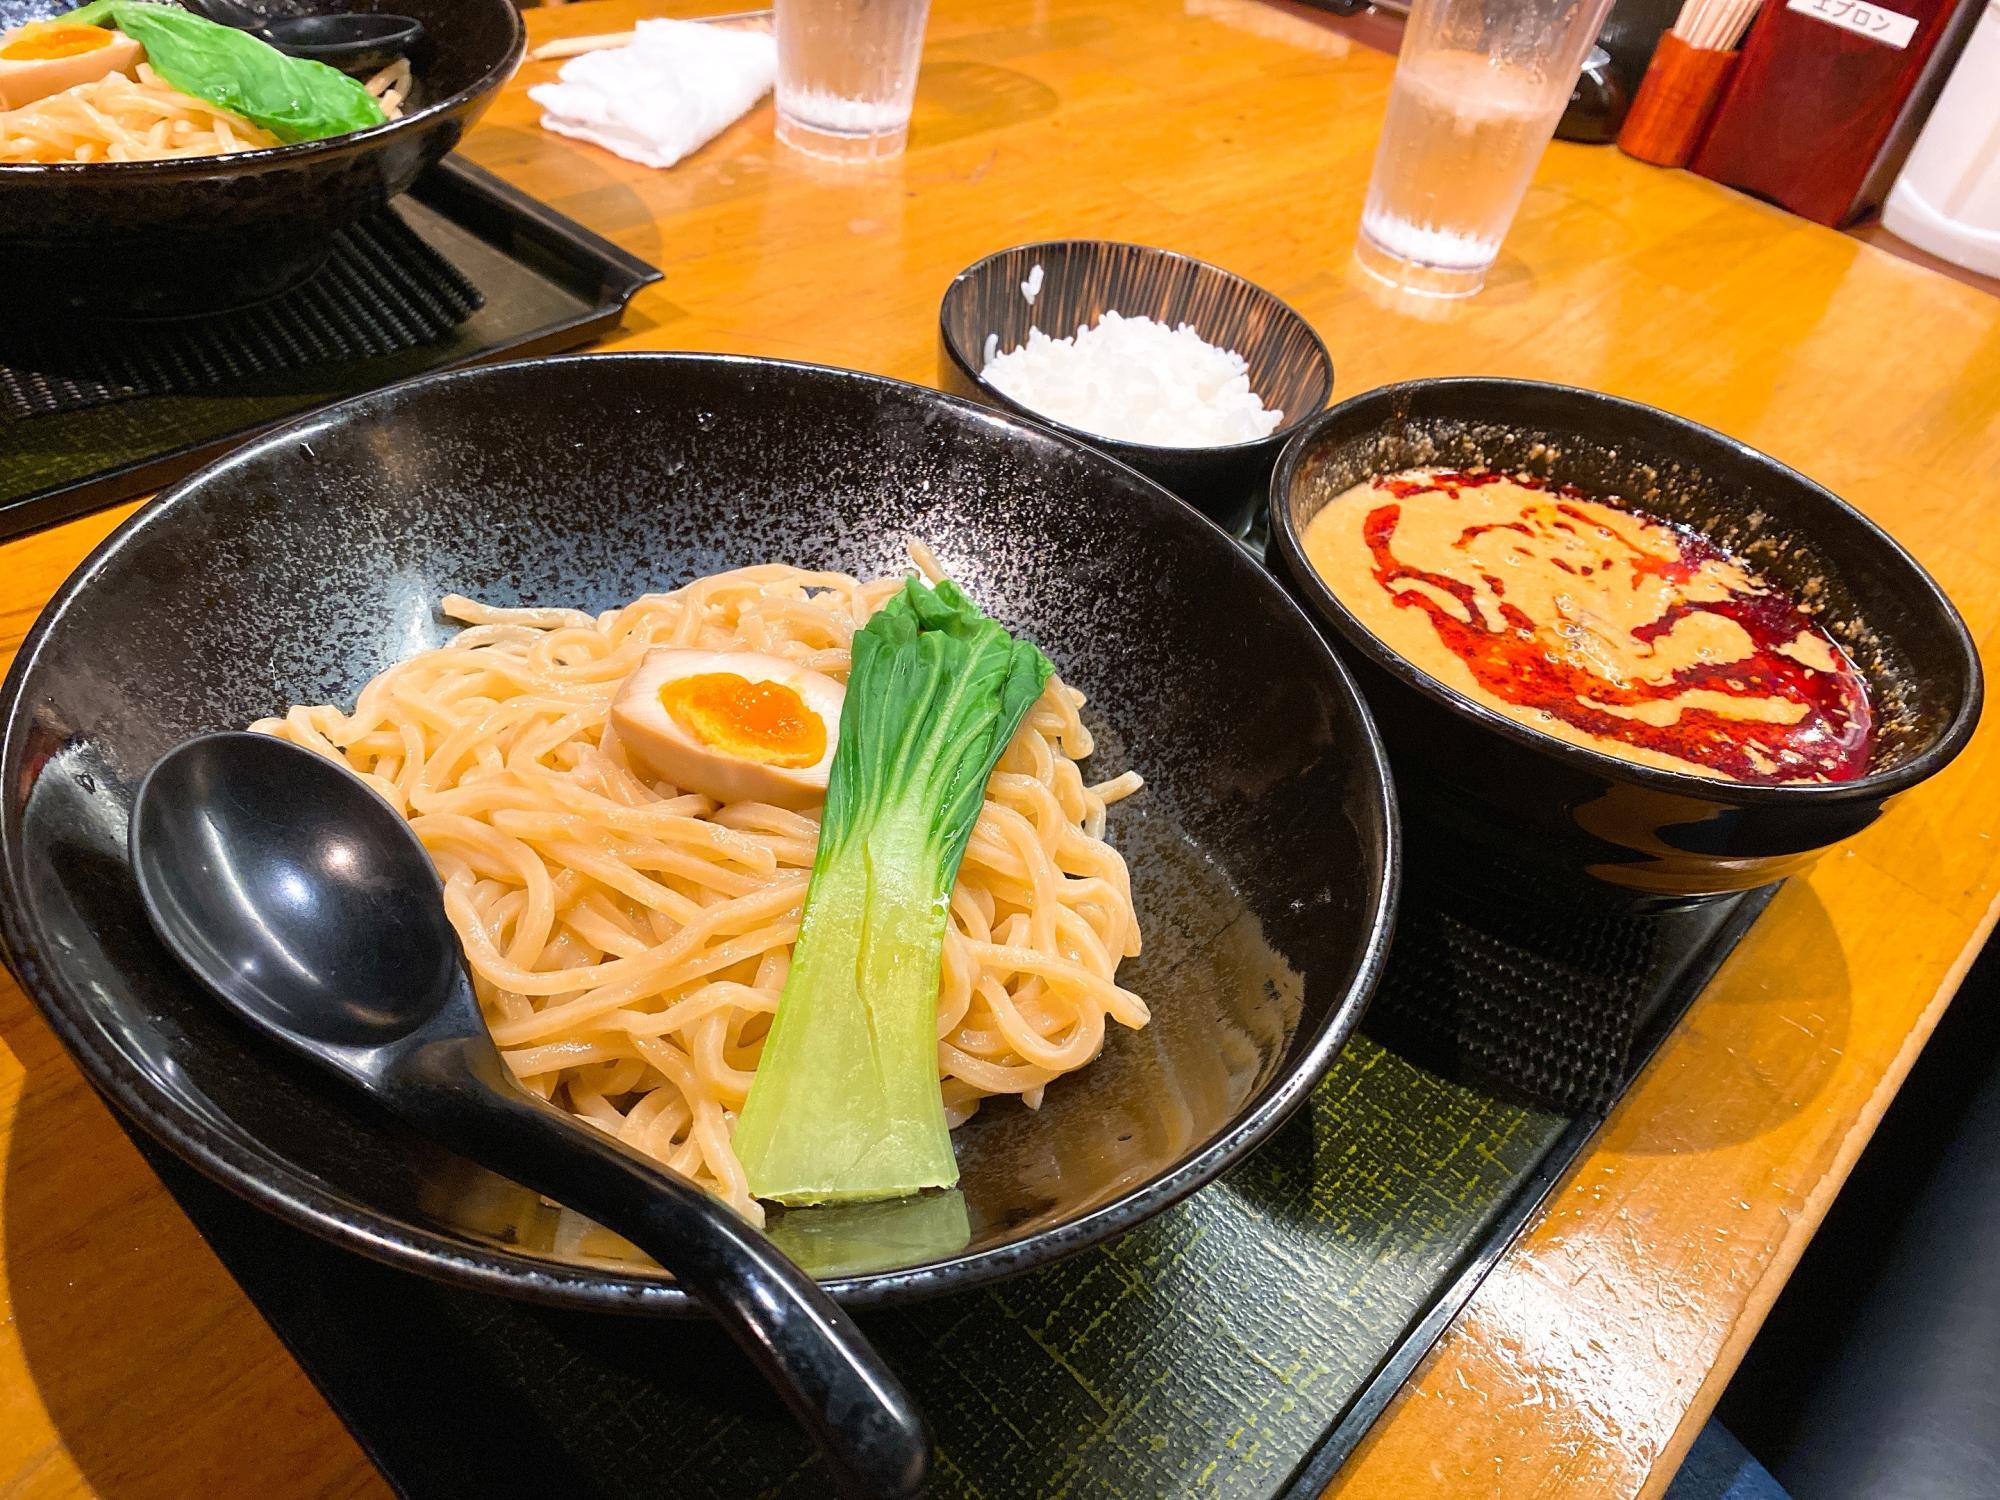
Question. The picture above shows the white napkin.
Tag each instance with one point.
(669, 90)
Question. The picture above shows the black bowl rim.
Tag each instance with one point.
(1138, 452)
(1871, 787)
(303, 1203)
(208, 166)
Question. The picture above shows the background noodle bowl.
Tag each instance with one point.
(195, 234)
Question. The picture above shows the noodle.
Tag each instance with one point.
(391, 86)
(120, 117)
(629, 942)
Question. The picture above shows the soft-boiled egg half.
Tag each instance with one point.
(46, 57)
(738, 726)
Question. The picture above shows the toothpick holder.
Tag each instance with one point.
(1674, 102)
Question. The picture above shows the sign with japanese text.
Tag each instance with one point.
(1876, 22)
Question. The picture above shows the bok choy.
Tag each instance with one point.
(846, 1104)
(293, 98)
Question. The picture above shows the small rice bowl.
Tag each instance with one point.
(1135, 380)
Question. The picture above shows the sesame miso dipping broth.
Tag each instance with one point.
(1187, 372)
(1616, 657)
(1587, 620)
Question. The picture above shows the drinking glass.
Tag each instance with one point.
(847, 73)
(1479, 87)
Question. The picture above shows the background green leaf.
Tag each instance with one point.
(294, 99)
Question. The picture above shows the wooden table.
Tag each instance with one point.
(130, 1366)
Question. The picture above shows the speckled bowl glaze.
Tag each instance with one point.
(1508, 813)
(1262, 850)
(162, 239)
(1084, 279)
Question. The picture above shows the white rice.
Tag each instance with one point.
(1136, 380)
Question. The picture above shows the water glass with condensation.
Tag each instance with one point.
(847, 73)
(1479, 87)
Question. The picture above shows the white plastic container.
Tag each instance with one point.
(1947, 200)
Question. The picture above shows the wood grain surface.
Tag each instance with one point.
(132, 1369)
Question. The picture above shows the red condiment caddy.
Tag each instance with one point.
(1827, 98)
(1674, 102)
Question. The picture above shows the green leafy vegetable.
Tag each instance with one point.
(846, 1103)
(851, 1239)
(294, 99)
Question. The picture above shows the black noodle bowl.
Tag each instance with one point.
(1262, 851)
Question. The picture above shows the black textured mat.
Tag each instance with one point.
(461, 268)
(1238, 1344)
(1547, 1007)
(382, 290)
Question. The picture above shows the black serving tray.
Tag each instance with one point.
(541, 282)
(1239, 1344)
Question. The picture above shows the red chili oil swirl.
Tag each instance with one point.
(1830, 742)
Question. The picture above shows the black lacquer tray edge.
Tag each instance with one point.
(1316, 1471)
(477, 201)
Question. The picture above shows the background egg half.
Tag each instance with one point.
(46, 57)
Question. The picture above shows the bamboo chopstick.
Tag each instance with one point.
(1714, 25)
(576, 46)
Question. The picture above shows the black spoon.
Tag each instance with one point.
(352, 41)
(307, 904)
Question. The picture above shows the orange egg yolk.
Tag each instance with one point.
(42, 43)
(765, 722)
